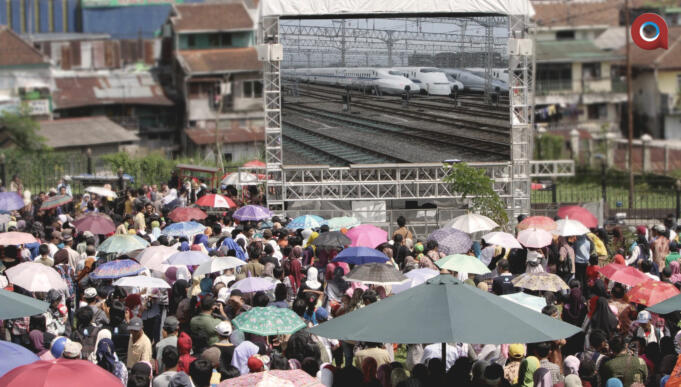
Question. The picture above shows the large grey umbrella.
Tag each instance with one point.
(15, 305)
(443, 310)
(451, 241)
(376, 274)
(332, 239)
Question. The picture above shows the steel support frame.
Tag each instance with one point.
(378, 182)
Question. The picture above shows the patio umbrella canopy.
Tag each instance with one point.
(651, 292)
(538, 222)
(185, 214)
(14, 305)
(96, 223)
(360, 255)
(120, 244)
(669, 305)
(35, 277)
(416, 278)
(470, 223)
(463, 314)
(540, 281)
(10, 201)
(462, 263)
(13, 356)
(55, 201)
(269, 321)
(375, 274)
(623, 274)
(332, 239)
(367, 235)
(527, 300)
(306, 221)
(252, 213)
(16, 238)
(580, 214)
(60, 373)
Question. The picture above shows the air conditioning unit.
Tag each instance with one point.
(270, 52)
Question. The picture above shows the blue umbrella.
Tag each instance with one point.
(360, 255)
(13, 356)
(10, 201)
(117, 269)
(185, 229)
(306, 221)
(189, 258)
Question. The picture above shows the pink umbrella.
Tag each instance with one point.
(578, 213)
(16, 238)
(535, 238)
(367, 235)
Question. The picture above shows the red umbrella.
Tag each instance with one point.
(185, 214)
(96, 223)
(254, 163)
(578, 213)
(59, 373)
(623, 274)
(651, 292)
(537, 222)
(215, 201)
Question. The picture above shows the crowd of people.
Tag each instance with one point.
(184, 336)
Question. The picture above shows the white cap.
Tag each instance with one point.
(90, 293)
(223, 295)
(224, 328)
(643, 317)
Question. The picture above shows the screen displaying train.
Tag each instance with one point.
(395, 90)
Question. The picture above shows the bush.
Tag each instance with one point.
(551, 147)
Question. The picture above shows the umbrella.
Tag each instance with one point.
(142, 281)
(462, 314)
(651, 292)
(116, 269)
(471, 223)
(253, 213)
(502, 239)
(189, 258)
(455, 242)
(279, 378)
(60, 373)
(218, 265)
(527, 300)
(332, 239)
(416, 277)
(367, 235)
(623, 274)
(185, 214)
(16, 238)
(55, 201)
(10, 201)
(540, 281)
(35, 277)
(671, 304)
(185, 229)
(360, 255)
(215, 201)
(101, 191)
(96, 223)
(346, 222)
(240, 178)
(569, 227)
(269, 321)
(538, 222)
(253, 284)
(580, 214)
(153, 257)
(461, 263)
(535, 238)
(14, 305)
(254, 163)
(441, 233)
(120, 244)
(306, 221)
(376, 274)
(13, 356)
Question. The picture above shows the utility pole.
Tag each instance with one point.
(343, 43)
(218, 140)
(630, 113)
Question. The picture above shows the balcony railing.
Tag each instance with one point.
(546, 87)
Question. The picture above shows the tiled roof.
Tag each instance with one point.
(226, 136)
(219, 60)
(15, 51)
(669, 59)
(84, 131)
(210, 17)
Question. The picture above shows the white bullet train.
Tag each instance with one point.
(474, 82)
(387, 81)
(498, 73)
(432, 80)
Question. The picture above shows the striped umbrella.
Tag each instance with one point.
(55, 201)
(306, 221)
(215, 201)
(119, 244)
(10, 201)
(117, 269)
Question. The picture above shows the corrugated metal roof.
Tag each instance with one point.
(63, 37)
(84, 131)
(219, 60)
(15, 51)
(232, 135)
(210, 17)
(569, 51)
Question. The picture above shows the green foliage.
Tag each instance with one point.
(474, 183)
(41, 170)
(149, 169)
(22, 130)
(550, 145)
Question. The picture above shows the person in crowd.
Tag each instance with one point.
(139, 346)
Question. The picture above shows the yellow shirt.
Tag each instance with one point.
(139, 350)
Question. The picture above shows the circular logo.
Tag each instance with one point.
(649, 31)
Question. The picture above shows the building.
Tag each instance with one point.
(99, 134)
(25, 77)
(214, 68)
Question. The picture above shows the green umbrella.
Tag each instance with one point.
(463, 264)
(442, 310)
(336, 224)
(269, 321)
(667, 306)
(15, 305)
(120, 244)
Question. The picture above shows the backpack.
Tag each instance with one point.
(88, 341)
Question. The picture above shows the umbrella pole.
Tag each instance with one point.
(444, 357)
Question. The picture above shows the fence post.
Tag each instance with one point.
(89, 161)
(554, 198)
(677, 186)
(3, 171)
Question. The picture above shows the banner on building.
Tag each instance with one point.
(125, 3)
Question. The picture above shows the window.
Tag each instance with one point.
(214, 40)
(227, 157)
(191, 41)
(565, 35)
(225, 39)
(591, 70)
(252, 89)
(597, 111)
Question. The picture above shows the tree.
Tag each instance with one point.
(22, 131)
(473, 183)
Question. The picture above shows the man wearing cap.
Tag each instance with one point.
(72, 350)
(139, 346)
(224, 331)
(516, 353)
(170, 331)
(74, 256)
(646, 330)
(98, 316)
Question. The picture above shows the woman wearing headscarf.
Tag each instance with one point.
(37, 338)
(184, 347)
(573, 381)
(542, 378)
(336, 286)
(106, 358)
(676, 272)
(574, 311)
(177, 293)
(526, 372)
(603, 318)
(598, 290)
(241, 355)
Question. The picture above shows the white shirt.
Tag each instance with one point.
(453, 353)
(53, 249)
